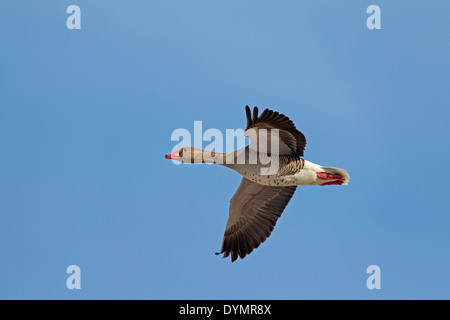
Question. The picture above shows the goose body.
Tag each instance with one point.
(293, 171)
(269, 181)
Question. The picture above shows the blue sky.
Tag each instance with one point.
(86, 118)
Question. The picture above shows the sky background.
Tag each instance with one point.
(86, 117)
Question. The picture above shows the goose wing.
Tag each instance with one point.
(254, 211)
(291, 141)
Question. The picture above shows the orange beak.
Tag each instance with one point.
(174, 155)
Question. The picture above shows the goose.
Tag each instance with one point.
(262, 197)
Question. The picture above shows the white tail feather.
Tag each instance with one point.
(338, 171)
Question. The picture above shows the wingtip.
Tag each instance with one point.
(249, 116)
(255, 114)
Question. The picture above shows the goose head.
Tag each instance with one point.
(187, 155)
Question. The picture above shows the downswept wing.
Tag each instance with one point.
(254, 211)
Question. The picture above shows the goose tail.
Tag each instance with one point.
(336, 171)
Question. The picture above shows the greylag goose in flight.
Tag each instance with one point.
(263, 193)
